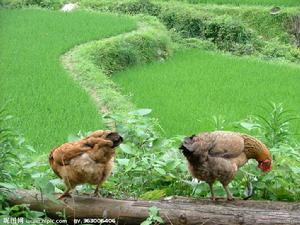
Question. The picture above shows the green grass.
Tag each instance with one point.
(250, 2)
(189, 88)
(46, 103)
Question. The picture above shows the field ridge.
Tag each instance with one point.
(81, 67)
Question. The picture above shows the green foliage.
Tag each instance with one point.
(246, 2)
(138, 7)
(150, 167)
(223, 30)
(273, 124)
(17, 170)
(226, 32)
(154, 218)
(241, 31)
(281, 183)
(147, 165)
(273, 127)
(8, 145)
(21, 213)
(49, 4)
(275, 49)
(118, 53)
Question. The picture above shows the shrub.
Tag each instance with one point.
(282, 183)
(274, 49)
(138, 7)
(147, 165)
(11, 3)
(9, 143)
(186, 21)
(118, 53)
(273, 127)
(151, 167)
(227, 33)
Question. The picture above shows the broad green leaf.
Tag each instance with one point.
(146, 222)
(8, 185)
(160, 171)
(126, 149)
(73, 137)
(248, 126)
(123, 162)
(153, 210)
(141, 112)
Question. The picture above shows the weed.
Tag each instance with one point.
(273, 124)
(153, 218)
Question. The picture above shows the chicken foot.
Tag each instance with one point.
(65, 194)
(96, 192)
(214, 198)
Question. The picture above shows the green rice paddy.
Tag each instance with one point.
(189, 88)
(46, 103)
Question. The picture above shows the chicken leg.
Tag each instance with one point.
(96, 193)
(229, 195)
(213, 197)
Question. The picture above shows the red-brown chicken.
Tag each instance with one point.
(217, 155)
(89, 160)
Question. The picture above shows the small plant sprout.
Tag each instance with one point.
(154, 218)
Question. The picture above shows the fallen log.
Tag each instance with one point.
(175, 211)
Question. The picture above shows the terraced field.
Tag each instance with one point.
(189, 88)
(46, 103)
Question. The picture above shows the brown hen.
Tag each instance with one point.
(218, 155)
(89, 160)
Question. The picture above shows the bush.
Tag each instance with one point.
(138, 7)
(224, 31)
(143, 46)
(186, 21)
(147, 165)
(9, 143)
(274, 49)
(273, 127)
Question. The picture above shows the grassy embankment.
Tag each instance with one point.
(46, 103)
(250, 2)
